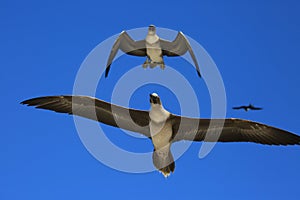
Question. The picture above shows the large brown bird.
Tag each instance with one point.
(152, 47)
(163, 127)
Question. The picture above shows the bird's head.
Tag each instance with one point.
(154, 99)
(151, 29)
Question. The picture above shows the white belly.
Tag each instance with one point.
(161, 134)
(153, 48)
(155, 54)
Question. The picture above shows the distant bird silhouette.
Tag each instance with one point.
(246, 108)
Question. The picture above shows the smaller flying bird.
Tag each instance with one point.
(152, 47)
(246, 108)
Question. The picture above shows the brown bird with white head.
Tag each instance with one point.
(163, 127)
(152, 47)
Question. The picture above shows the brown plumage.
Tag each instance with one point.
(183, 128)
(178, 47)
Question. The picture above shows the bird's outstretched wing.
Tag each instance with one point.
(254, 108)
(95, 109)
(179, 47)
(239, 107)
(128, 46)
(231, 130)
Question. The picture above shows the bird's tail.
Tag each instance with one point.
(163, 161)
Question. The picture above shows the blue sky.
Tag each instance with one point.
(255, 44)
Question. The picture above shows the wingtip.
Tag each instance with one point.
(25, 102)
(106, 74)
(199, 74)
(180, 32)
(37, 100)
(29, 102)
(107, 71)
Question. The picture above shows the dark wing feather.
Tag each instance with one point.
(128, 46)
(231, 130)
(179, 47)
(254, 108)
(95, 109)
(239, 107)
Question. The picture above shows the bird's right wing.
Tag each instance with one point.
(238, 107)
(95, 109)
(128, 46)
(230, 130)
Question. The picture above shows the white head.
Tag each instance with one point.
(151, 30)
(155, 99)
(157, 112)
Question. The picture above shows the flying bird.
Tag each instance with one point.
(164, 128)
(246, 108)
(152, 47)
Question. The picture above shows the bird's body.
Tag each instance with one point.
(153, 48)
(161, 134)
(163, 127)
(154, 52)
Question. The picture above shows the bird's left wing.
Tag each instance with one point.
(179, 47)
(230, 130)
(95, 109)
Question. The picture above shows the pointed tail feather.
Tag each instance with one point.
(164, 162)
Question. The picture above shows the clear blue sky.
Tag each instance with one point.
(255, 44)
